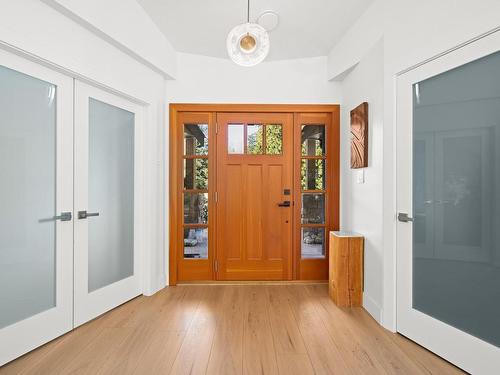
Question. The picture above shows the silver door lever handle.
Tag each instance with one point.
(85, 214)
(64, 216)
(403, 217)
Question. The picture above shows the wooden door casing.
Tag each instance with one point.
(296, 268)
(254, 233)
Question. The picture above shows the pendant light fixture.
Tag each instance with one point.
(248, 43)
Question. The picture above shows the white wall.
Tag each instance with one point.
(35, 29)
(413, 31)
(202, 79)
(361, 204)
(356, 42)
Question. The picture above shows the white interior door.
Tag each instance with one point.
(36, 174)
(448, 182)
(107, 222)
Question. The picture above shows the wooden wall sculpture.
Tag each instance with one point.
(359, 136)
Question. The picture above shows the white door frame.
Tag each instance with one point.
(90, 305)
(464, 350)
(27, 334)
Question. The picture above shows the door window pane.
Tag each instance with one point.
(312, 174)
(196, 174)
(195, 243)
(195, 139)
(27, 196)
(313, 208)
(111, 194)
(313, 243)
(456, 179)
(195, 208)
(255, 138)
(235, 135)
(313, 140)
(274, 139)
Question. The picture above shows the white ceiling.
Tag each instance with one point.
(306, 28)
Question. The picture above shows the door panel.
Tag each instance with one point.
(254, 170)
(448, 270)
(36, 169)
(107, 230)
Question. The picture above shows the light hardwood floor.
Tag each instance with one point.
(232, 329)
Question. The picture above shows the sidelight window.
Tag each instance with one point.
(195, 193)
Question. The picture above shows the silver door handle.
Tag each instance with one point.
(64, 216)
(85, 214)
(404, 218)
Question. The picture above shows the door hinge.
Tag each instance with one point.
(216, 266)
(216, 128)
(216, 197)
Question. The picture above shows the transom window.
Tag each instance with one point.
(255, 139)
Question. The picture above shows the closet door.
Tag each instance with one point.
(107, 235)
(36, 200)
(448, 179)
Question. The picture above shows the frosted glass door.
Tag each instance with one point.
(111, 194)
(449, 184)
(106, 266)
(35, 191)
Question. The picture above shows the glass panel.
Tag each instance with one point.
(111, 193)
(456, 179)
(27, 196)
(196, 174)
(235, 135)
(313, 140)
(196, 243)
(255, 139)
(313, 243)
(313, 208)
(195, 208)
(274, 139)
(195, 139)
(312, 175)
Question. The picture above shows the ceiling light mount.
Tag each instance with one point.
(248, 43)
(269, 20)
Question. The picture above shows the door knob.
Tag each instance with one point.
(284, 204)
(404, 218)
(85, 214)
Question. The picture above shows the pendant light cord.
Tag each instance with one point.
(248, 11)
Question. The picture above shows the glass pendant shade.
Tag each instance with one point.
(248, 44)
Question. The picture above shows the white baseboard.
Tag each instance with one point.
(158, 285)
(372, 307)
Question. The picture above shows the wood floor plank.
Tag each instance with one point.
(125, 358)
(178, 310)
(355, 350)
(194, 353)
(432, 364)
(259, 355)
(226, 355)
(290, 349)
(94, 356)
(325, 357)
(29, 361)
(56, 361)
(160, 353)
(232, 329)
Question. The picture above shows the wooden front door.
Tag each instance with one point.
(254, 196)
